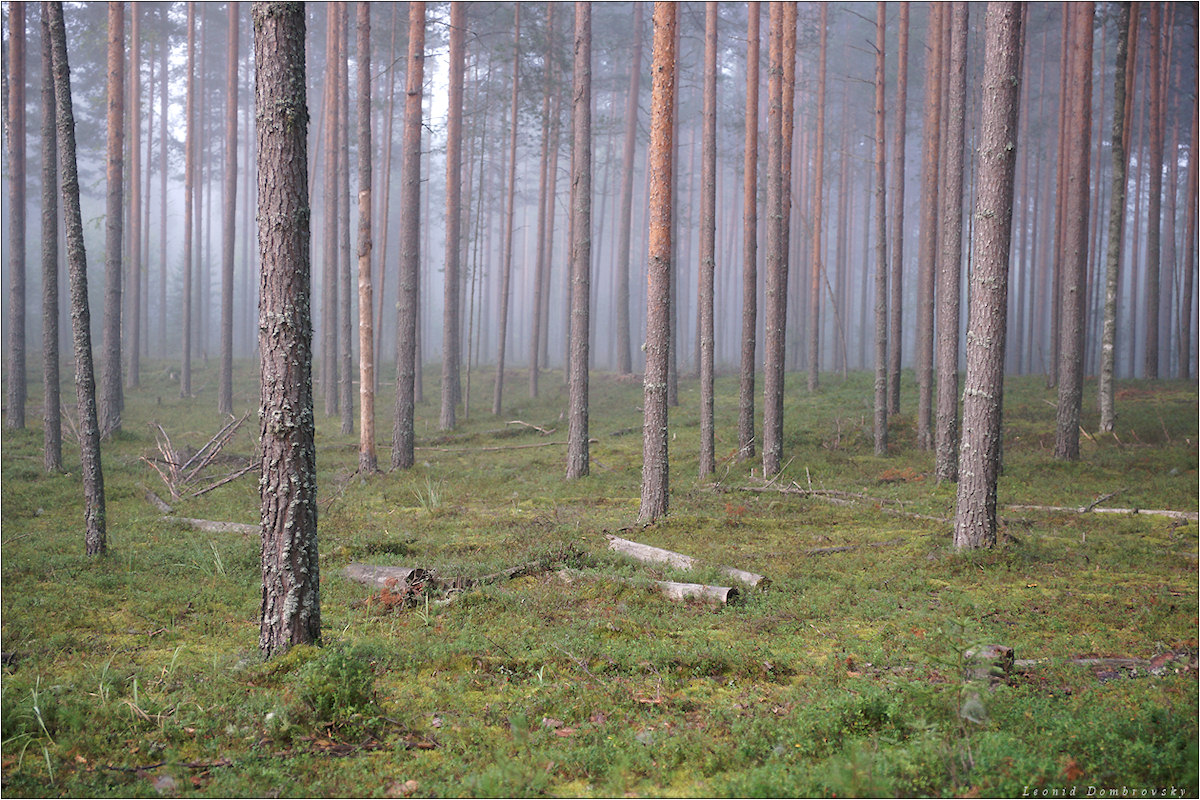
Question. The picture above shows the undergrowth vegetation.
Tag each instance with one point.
(137, 674)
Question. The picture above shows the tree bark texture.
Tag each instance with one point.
(367, 461)
(708, 242)
(52, 406)
(506, 274)
(979, 455)
(624, 345)
(818, 269)
(1157, 112)
(291, 599)
(229, 217)
(95, 536)
(655, 485)
(451, 325)
(581, 244)
(410, 243)
(927, 244)
(895, 328)
(1116, 224)
(17, 390)
(772, 447)
(1075, 238)
(881, 263)
(111, 399)
(749, 244)
(950, 258)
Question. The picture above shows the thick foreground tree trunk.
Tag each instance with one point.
(655, 486)
(52, 407)
(291, 598)
(979, 456)
(95, 537)
(114, 219)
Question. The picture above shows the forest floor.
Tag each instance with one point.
(137, 674)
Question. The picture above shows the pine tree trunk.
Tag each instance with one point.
(975, 516)
(1186, 317)
(881, 265)
(708, 242)
(345, 255)
(386, 200)
(1116, 222)
(624, 346)
(814, 295)
(189, 192)
(749, 244)
(15, 136)
(895, 328)
(451, 324)
(410, 241)
(581, 244)
(95, 538)
(950, 263)
(329, 271)
(291, 598)
(506, 278)
(927, 244)
(772, 449)
(655, 472)
(114, 218)
(367, 461)
(1154, 163)
(135, 198)
(162, 189)
(229, 217)
(1075, 239)
(540, 268)
(52, 407)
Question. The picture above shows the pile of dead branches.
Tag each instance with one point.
(185, 473)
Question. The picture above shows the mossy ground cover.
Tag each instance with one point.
(137, 673)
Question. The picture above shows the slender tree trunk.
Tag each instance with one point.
(772, 449)
(135, 198)
(749, 244)
(162, 189)
(410, 240)
(229, 217)
(329, 272)
(927, 244)
(114, 218)
(386, 199)
(540, 268)
(624, 347)
(975, 517)
(367, 462)
(655, 484)
(95, 538)
(1157, 112)
(15, 130)
(189, 192)
(1075, 240)
(708, 242)
(814, 307)
(345, 295)
(895, 327)
(1060, 211)
(881, 265)
(52, 407)
(291, 597)
(506, 278)
(1116, 222)
(1186, 371)
(451, 324)
(950, 264)
(581, 244)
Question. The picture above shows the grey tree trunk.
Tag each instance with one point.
(927, 244)
(1116, 225)
(111, 399)
(881, 264)
(367, 461)
(1186, 363)
(581, 244)
(624, 346)
(1154, 199)
(52, 407)
(950, 261)
(410, 243)
(329, 268)
(818, 270)
(506, 276)
(15, 136)
(135, 199)
(189, 192)
(95, 536)
(655, 471)
(229, 216)
(1075, 239)
(291, 597)
(749, 244)
(895, 328)
(451, 325)
(345, 319)
(708, 242)
(979, 457)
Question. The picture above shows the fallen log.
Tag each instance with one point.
(649, 554)
(1187, 515)
(385, 577)
(697, 591)
(820, 551)
(156, 501)
(214, 526)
